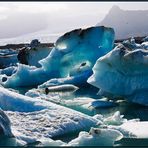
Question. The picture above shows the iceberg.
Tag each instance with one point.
(33, 53)
(111, 129)
(96, 137)
(32, 118)
(122, 73)
(115, 119)
(133, 129)
(48, 123)
(73, 51)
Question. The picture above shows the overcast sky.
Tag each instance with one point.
(19, 18)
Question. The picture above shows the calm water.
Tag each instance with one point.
(130, 111)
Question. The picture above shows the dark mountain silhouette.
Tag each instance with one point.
(127, 23)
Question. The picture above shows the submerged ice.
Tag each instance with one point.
(74, 53)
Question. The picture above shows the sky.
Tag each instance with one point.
(20, 18)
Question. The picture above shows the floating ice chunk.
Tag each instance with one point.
(123, 73)
(50, 142)
(116, 119)
(96, 137)
(72, 49)
(133, 129)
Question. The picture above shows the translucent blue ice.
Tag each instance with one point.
(72, 51)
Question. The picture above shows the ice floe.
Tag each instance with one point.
(36, 118)
(133, 129)
(96, 137)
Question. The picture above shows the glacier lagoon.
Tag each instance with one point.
(53, 105)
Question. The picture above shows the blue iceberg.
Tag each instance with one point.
(72, 51)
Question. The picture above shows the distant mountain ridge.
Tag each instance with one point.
(126, 23)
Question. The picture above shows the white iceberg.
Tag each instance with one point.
(133, 129)
(37, 118)
(96, 137)
(115, 119)
(122, 73)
